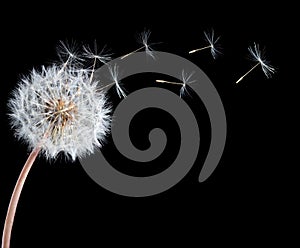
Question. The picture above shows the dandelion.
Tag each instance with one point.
(210, 38)
(56, 110)
(185, 80)
(259, 56)
(143, 39)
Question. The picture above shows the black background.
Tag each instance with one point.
(61, 206)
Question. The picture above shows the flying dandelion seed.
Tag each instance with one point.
(259, 57)
(103, 56)
(69, 53)
(57, 110)
(210, 38)
(115, 74)
(96, 56)
(143, 39)
(185, 80)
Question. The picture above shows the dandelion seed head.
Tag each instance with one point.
(259, 56)
(62, 108)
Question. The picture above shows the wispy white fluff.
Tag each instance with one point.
(60, 109)
(92, 53)
(185, 80)
(143, 39)
(210, 37)
(114, 72)
(69, 52)
(212, 41)
(259, 56)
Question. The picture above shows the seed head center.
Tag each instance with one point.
(61, 114)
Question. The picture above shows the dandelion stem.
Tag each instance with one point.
(126, 55)
(199, 49)
(167, 82)
(241, 78)
(15, 198)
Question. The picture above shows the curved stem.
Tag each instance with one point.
(15, 198)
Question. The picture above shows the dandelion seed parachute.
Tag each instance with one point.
(143, 39)
(210, 37)
(69, 51)
(212, 41)
(113, 70)
(258, 56)
(185, 80)
(94, 54)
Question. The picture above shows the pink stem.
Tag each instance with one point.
(15, 198)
